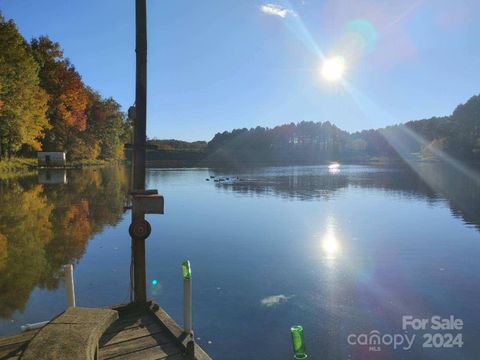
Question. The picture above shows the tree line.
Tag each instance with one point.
(457, 135)
(45, 105)
(303, 142)
(176, 145)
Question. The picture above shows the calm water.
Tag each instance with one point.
(340, 251)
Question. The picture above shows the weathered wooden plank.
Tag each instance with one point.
(73, 335)
(139, 344)
(129, 323)
(12, 349)
(130, 334)
(166, 351)
(180, 356)
(183, 339)
(134, 313)
(128, 310)
(13, 357)
(25, 336)
(8, 352)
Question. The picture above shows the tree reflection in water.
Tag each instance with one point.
(43, 226)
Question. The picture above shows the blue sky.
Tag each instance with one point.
(215, 65)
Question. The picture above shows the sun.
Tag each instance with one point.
(333, 68)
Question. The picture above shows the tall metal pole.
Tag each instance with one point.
(140, 137)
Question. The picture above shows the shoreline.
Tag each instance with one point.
(20, 167)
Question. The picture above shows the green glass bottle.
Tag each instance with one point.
(186, 270)
(298, 342)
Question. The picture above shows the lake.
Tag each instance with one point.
(343, 251)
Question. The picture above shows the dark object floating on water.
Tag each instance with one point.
(230, 179)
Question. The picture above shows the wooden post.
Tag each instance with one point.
(140, 137)
(139, 269)
(69, 285)
(140, 127)
(187, 305)
(187, 296)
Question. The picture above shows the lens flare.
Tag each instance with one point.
(333, 68)
(365, 32)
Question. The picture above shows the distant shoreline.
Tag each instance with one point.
(20, 167)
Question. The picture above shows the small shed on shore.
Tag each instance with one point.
(51, 159)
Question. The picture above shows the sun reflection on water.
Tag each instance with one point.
(330, 245)
(334, 168)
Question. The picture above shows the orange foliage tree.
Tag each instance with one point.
(68, 95)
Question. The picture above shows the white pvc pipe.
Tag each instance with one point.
(33, 326)
(69, 286)
(187, 305)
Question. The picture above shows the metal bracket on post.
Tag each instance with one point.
(143, 202)
(147, 204)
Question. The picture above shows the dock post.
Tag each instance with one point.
(139, 139)
(69, 285)
(187, 296)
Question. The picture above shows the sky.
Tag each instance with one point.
(216, 65)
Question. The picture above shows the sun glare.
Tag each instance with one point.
(333, 68)
(330, 246)
(334, 168)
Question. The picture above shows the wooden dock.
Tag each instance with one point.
(11, 347)
(140, 332)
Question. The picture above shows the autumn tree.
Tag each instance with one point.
(68, 96)
(107, 129)
(23, 103)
